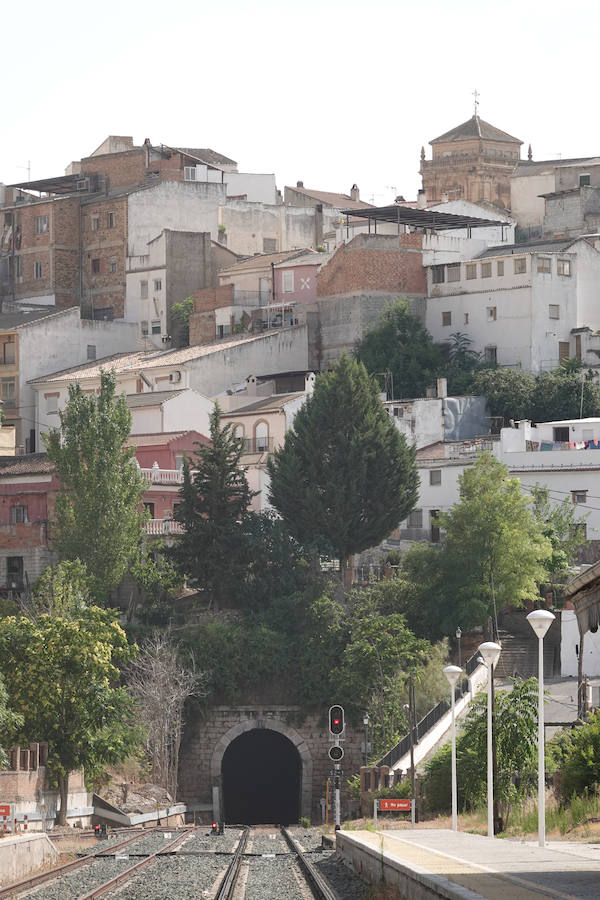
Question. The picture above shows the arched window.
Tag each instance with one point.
(261, 436)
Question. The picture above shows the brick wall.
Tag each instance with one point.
(104, 238)
(123, 169)
(375, 263)
(55, 250)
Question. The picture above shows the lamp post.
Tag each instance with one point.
(490, 651)
(458, 637)
(366, 724)
(453, 673)
(540, 620)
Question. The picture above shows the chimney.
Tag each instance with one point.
(355, 193)
(251, 386)
(421, 199)
(309, 382)
(300, 184)
(444, 196)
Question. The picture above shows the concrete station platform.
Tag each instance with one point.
(427, 864)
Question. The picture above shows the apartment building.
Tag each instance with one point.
(525, 305)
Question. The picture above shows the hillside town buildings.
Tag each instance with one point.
(501, 249)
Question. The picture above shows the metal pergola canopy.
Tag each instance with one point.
(418, 218)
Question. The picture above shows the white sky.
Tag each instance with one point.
(327, 91)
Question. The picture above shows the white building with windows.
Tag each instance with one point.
(561, 456)
(524, 305)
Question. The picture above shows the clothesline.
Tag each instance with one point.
(563, 445)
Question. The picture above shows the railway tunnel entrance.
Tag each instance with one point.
(261, 779)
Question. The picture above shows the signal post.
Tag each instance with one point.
(336, 754)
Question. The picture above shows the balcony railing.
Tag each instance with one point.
(154, 475)
(258, 445)
(163, 526)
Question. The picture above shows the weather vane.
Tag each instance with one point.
(476, 95)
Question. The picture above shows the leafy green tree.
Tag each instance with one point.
(580, 769)
(461, 364)
(558, 394)
(62, 678)
(345, 476)
(516, 753)
(10, 723)
(509, 393)
(180, 319)
(97, 516)
(213, 551)
(562, 528)
(63, 590)
(156, 578)
(401, 344)
(380, 649)
(493, 549)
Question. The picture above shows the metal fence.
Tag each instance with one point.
(429, 719)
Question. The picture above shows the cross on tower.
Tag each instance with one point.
(476, 95)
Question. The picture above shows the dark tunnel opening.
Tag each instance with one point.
(261, 772)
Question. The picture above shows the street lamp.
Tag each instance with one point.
(458, 637)
(490, 652)
(453, 673)
(540, 620)
(366, 724)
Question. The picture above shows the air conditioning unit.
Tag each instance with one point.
(174, 377)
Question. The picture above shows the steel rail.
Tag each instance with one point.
(58, 871)
(227, 886)
(317, 883)
(125, 876)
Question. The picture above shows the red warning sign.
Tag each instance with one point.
(4, 809)
(398, 804)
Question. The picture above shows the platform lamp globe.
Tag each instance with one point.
(453, 673)
(541, 620)
(490, 651)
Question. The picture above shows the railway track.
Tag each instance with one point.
(245, 863)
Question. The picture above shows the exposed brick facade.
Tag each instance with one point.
(45, 260)
(122, 169)
(104, 248)
(203, 319)
(375, 263)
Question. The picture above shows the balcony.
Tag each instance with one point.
(155, 475)
(163, 526)
(258, 445)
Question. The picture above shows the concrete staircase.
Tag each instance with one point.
(519, 655)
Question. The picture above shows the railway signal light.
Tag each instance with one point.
(214, 828)
(336, 720)
(336, 753)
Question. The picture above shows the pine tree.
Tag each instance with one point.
(345, 477)
(213, 551)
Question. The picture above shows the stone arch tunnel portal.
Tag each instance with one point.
(261, 779)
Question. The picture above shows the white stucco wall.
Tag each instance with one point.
(522, 332)
(526, 205)
(420, 421)
(150, 267)
(284, 350)
(176, 205)
(259, 188)
(58, 342)
(570, 642)
(189, 411)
